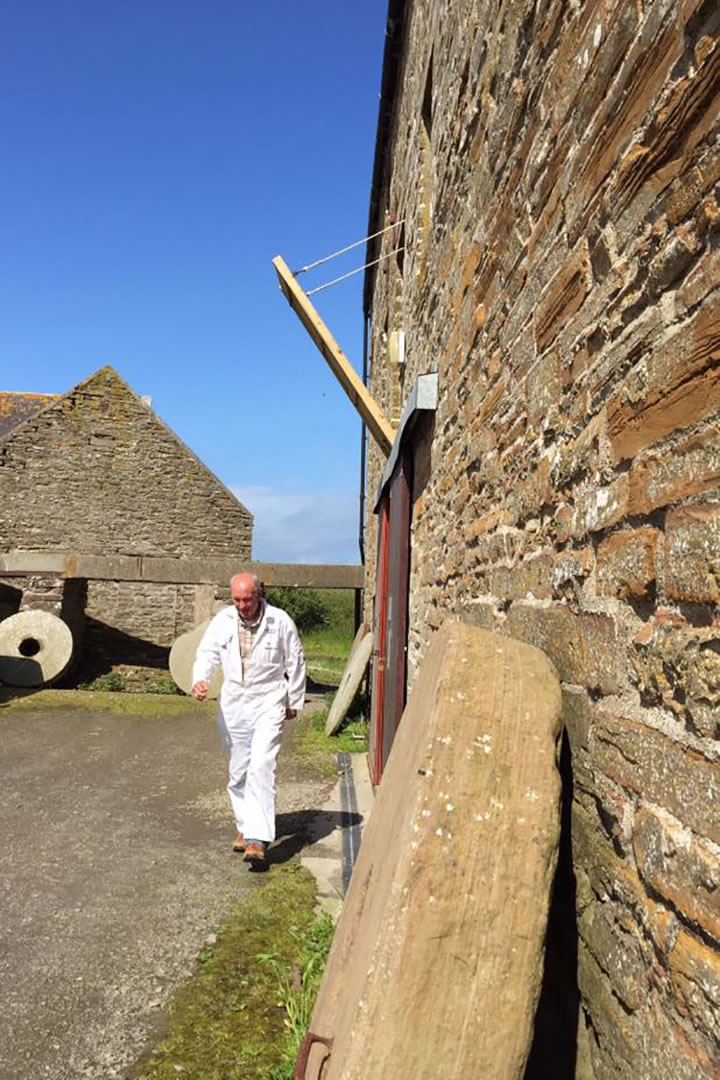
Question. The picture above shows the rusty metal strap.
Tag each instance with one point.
(304, 1053)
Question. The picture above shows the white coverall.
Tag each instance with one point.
(252, 710)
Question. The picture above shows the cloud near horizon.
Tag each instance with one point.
(301, 527)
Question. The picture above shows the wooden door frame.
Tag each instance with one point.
(390, 668)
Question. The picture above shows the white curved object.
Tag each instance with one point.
(182, 657)
(35, 648)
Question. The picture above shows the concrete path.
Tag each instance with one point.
(331, 856)
(114, 868)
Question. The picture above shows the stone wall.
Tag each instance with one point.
(98, 472)
(557, 167)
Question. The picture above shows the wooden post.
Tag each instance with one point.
(378, 424)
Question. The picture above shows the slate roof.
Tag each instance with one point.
(14, 408)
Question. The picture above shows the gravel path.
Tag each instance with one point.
(115, 867)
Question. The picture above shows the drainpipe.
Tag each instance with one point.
(363, 457)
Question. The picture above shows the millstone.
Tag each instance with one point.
(436, 964)
(352, 677)
(182, 658)
(35, 648)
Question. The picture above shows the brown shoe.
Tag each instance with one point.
(255, 854)
(239, 842)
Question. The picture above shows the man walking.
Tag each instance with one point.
(264, 684)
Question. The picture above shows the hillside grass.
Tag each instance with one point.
(327, 647)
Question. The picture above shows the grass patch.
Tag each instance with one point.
(310, 738)
(298, 987)
(327, 647)
(150, 705)
(117, 683)
(245, 1012)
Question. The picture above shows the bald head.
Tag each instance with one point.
(246, 594)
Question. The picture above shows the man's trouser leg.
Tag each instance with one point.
(238, 746)
(259, 805)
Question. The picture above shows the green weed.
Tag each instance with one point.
(352, 738)
(298, 987)
(160, 686)
(112, 684)
(245, 1012)
(115, 683)
(327, 647)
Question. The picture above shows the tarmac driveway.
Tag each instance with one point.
(115, 866)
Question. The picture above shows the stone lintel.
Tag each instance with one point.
(179, 571)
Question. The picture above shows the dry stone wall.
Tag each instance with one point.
(557, 167)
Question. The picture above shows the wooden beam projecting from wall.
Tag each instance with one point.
(377, 423)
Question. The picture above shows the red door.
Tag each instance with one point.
(391, 615)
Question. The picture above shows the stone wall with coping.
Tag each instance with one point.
(557, 166)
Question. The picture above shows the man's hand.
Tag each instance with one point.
(200, 691)
(290, 714)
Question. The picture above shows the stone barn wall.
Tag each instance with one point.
(557, 169)
(98, 472)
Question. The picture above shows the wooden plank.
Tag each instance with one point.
(378, 424)
(178, 571)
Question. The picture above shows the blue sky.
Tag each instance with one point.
(156, 155)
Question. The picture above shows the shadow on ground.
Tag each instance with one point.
(305, 827)
(314, 687)
(105, 647)
(8, 693)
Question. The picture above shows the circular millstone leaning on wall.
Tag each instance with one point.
(182, 658)
(352, 677)
(35, 648)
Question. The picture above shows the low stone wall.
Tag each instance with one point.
(124, 628)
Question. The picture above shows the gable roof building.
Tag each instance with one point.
(97, 471)
(14, 408)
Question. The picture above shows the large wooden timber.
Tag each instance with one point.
(372, 414)
(177, 571)
(436, 964)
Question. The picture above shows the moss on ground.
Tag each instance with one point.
(236, 1019)
(121, 704)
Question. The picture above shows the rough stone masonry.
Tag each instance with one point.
(557, 169)
(98, 472)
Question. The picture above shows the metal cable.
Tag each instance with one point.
(357, 270)
(319, 262)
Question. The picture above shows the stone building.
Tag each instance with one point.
(553, 170)
(96, 472)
